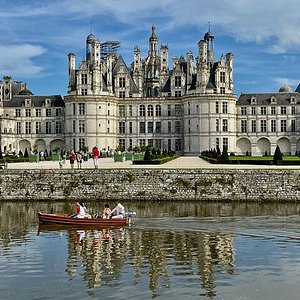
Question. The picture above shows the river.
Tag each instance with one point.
(177, 250)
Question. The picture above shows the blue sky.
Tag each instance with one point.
(37, 35)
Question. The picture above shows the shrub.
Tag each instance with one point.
(277, 155)
(147, 155)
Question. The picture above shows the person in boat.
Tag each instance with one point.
(118, 212)
(106, 213)
(81, 211)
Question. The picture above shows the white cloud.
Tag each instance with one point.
(17, 60)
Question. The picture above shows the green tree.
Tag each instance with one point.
(224, 156)
(277, 155)
(147, 155)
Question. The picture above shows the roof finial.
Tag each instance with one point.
(209, 26)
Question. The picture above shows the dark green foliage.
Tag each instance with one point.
(147, 155)
(277, 155)
(153, 151)
(26, 153)
(1, 156)
(20, 153)
(224, 156)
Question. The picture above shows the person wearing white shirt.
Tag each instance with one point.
(118, 212)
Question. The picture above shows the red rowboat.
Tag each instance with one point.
(65, 219)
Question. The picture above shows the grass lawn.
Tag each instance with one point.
(268, 158)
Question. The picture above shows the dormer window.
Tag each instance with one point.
(253, 100)
(47, 102)
(273, 100)
(293, 100)
(27, 102)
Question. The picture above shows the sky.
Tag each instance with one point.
(264, 37)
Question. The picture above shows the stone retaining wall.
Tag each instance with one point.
(153, 184)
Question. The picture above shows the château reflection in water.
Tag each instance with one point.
(189, 246)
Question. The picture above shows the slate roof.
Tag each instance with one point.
(36, 101)
(265, 99)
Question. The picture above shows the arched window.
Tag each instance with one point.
(158, 110)
(150, 110)
(142, 111)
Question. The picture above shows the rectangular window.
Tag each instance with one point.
(158, 143)
(142, 127)
(217, 125)
(273, 126)
(225, 107)
(18, 112)
(253, 110)
(74, 126)
(253, 125)
(169, 127)
(121, 94)
(83, 78)
(122, 82)
(122, 127)
(243, 111)
(293, 110)
(169, 110)
(130, 127)
(158, 110)
(130, 110)
(81, 126)
(263, 110)
(28, 112)
(177, 93)
(177, 81)
(81, 107)
(150, 111)
(244, 126)
(178, 110)
(81, 143)
(121, 111)
(58, 127)
(28, 127)
(58, 112)
(83, 92)
(38, 127)
(178, 145)
(225, 142)
(142, 142)
(177, 126)
(283, 110)
(142, 110)
(217, 107)
(74, 109)
(222, 77)
(293, 125)
(225, 125)
(263, 125)
(217, 143)
(150, 127)
(222, 90)
(38, 112)
(283, 125)
(122, 143)
(273, 110)
(169, 144)
(18, 127)
(48, 112)
(150, 142)
(158, 127)
(48, 127)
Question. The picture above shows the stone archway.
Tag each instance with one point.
(24, 144)
(285, 146)
(243, 146)
(263, 146)
(41, 144)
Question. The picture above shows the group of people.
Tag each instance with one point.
(118, 212)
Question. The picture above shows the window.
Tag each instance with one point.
(293, 125)
(122, 82)
(74, 109)
(158, 110)
(28, 127)
(18, 112)
(177, 93)
(150, 142)
(178, 145)
(83, 92)
(28, 112)
(177, 126)
(38, 127)
(142, 127)
(81, 143)
(130, 127)
(243, 111)
(130, 110)
(225, 125)
(58, 127)
(217, 107)
(142, 142)
(169, 144)
(253, 110)
(283, 125)
(283, 110)
(169, 127)
(225, 142)
(122, 94)
(122, 110)
(273, 110)
(142, 111)
(273, 126)
(178, 110)
(158, 143)
(158, 127)
(263, 110)
(217, 143)
(74, 126)
(225, 107)
(150, 111)
(38, 112)
(83, 78)
(58, 112)
(253, 125)
(48, 112)
(244, 126)
(122, 127)
(169, 110)
(222, 77)
(177, 81)
(122, 143)
(217, 125)
(81, 126)
(81, 109)
(222, 90)
(263, 125)
(18, 127)
(48, 127)
(150, 127)
(293, 110)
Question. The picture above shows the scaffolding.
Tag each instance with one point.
(109, 47)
